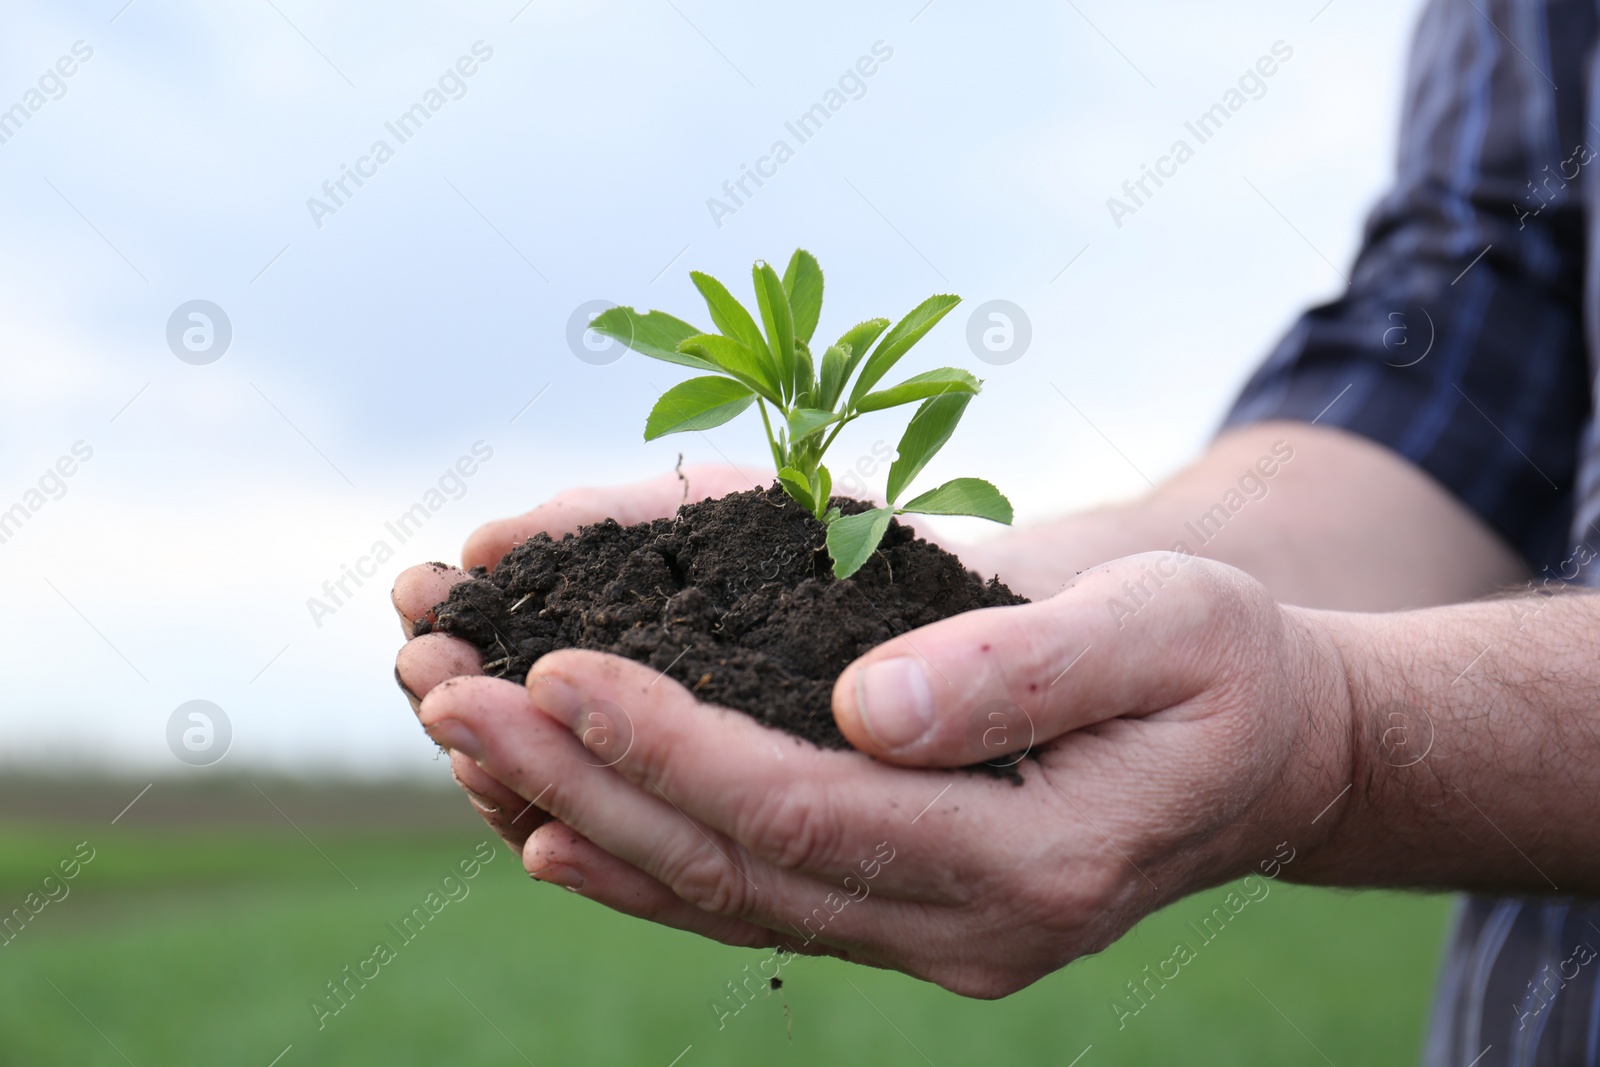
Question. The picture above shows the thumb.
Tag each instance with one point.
(1135, 636)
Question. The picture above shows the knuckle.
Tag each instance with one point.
(1077, 896)
(648, 760)
(708, 880)
(1227, 593)
(797, 828)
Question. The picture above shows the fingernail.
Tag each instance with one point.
(554, 697)
(406, 689)
(454, 735)
(894, 702)
(562, 875)
(481, 802)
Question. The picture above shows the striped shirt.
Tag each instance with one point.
(1467, 342)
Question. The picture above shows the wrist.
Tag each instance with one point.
(1327, 685)
(1385, 736)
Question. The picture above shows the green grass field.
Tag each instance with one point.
(205, 940)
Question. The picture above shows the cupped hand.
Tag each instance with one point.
(1179, 727)
(424, 662)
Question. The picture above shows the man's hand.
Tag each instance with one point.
(1176, 742)
(1184, 729)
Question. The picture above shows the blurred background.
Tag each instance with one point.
(230, 368)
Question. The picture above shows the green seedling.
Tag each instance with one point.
(806, 402)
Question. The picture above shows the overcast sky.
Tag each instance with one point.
(571, 153)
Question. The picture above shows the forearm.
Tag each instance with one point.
(1476, 748)
(1321, 517)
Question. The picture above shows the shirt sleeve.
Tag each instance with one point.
(1459, 343)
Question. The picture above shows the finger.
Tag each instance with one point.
(418, 589)
(829, 815)
(536, 756)
(566, 512)
(557, 854)
(495, 722)
(424, 662)
(1126, 639)
(507, 814)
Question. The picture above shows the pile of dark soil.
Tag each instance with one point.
(735, 598)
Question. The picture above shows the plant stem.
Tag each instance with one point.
(846, 421)
(772, 442)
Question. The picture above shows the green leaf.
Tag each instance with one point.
(852, 539)
(919, 387)
(730, 316)
(803, 422)
(724, 353)
(798, 486)
(805, 374)
(831, 381)
(907, 332)
(821, 488)
(779, 321)
(963, 496)
(856, 341)
(655, 334)
(929, 429)
(697, 404)
(803, 282)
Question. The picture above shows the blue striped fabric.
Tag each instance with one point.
(1477, 258)
(1466, 343)
(1520, 986)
